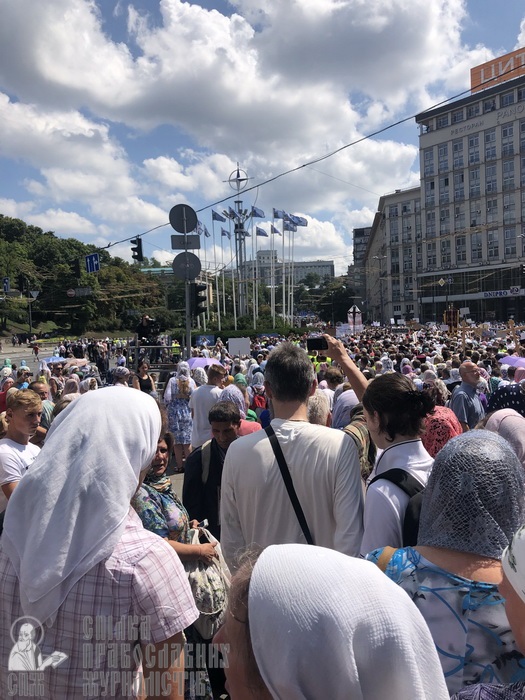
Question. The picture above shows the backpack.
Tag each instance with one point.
(258, 404)
(414, 490)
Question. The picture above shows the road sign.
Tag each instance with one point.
(183, 242)
(71, 292)
(183, 218)
(7, 285)
(354, 309)
(93, 262)
(186, 266)
(35, 293)
(441, 282)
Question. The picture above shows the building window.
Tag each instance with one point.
(458, 116)
(473, 111)
(509, 209)
(457, 153)
(508, 174)
(507, 140)
(442, 121)
(507, 99)
(490, 144)
(474, 183)
(492, 211)
(459, 217)
(394, 262)
(406, 208)
(521, 94)
(431, 254)
(445, 252)
(397, 308)
(473, 149)
(392, 210)
(429, 193)
(443, 190)
(444, 221)
(476, 250)
(475, 212)
(428, 158)
(417, 205)
(459, 187)
(493, 245)
(491, 180)
(489, 105)
(396, 290)
(443, 157)
(431, 223)
(522, 135)
(461, 249)
(509, 235)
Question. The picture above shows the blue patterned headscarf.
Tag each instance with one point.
(234, 395)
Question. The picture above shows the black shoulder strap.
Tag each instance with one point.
(401, 478)
(285, 473)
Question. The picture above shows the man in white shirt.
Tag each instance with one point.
(201, 401)
(23, 414)
(323, 464)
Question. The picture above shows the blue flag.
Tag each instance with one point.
(232, 213)
(257, 213)
(298, 220)
(200, 228)
(207, 234)
(278, 214)
(226, 233)
(276, 230)
(260, 232)
(289, 226)
(217, 217)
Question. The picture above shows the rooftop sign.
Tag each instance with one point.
(506, 67)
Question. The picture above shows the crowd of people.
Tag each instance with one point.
(368, 498)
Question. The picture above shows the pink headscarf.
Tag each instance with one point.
(519, 374)
(510, 425)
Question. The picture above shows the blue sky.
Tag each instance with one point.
(112, 112)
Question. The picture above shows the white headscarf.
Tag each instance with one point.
(325, 625)
(68, 512)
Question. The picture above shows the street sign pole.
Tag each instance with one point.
(184, 220)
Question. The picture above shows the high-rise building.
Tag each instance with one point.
(460, 239)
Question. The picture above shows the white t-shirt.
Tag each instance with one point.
(15, 459)
(201, 400)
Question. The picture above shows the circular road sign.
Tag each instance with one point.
(186, 266)
(71, 292)
(183, 218)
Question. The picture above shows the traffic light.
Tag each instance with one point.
(136, 248)
(523, 269)
(21, 282)
(198, 300)
(76, 268)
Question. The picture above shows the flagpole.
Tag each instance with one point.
(217, 297)
(284, 281)
(254, 282)
(223, 272)
(291, 241)
(272, 274)
(233, 287)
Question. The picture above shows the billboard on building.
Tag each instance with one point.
(506, 67)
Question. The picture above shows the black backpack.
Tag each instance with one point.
(414, 490)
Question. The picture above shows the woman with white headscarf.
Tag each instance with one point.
(73, 551)
(473, 503)
(309, 623)
(177, 399)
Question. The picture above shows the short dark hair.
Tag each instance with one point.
(224, 412)
(401, 408)
(290, 373)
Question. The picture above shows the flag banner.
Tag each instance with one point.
(226, 233)
(288, 226)
(260, 232)
(278, 214)
(247, 234)
(207, 234)
(232, 213)
(276, 230)
(257, 213)
(217, 217)
(200, 228)
(298, 220)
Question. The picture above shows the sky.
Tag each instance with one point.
(113, 112)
